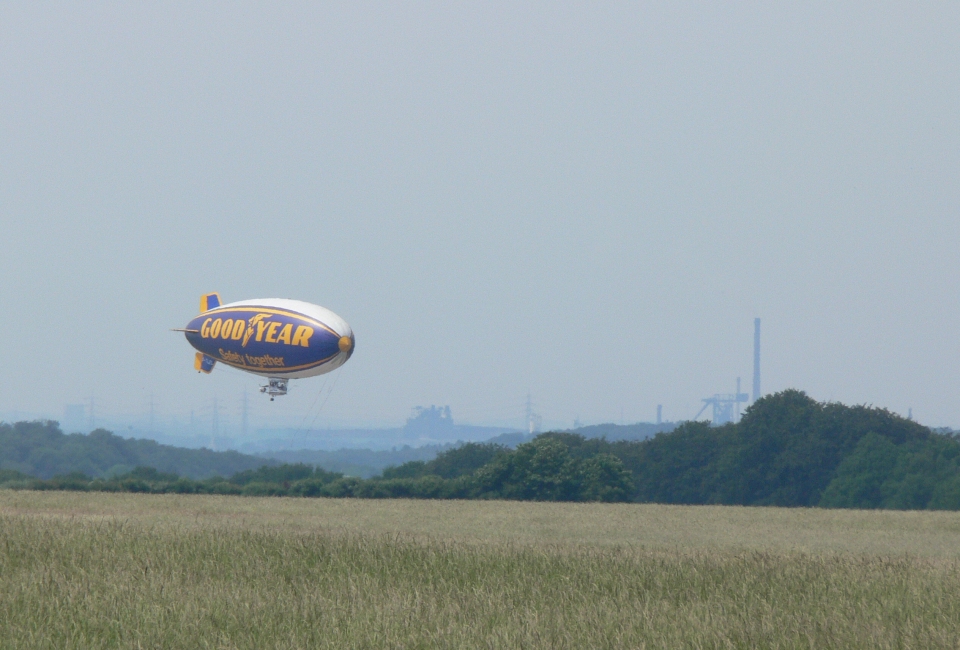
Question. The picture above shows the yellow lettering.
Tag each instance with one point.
(302, 336)
(230, 356)
(261, 326)
(238, 328)
(272, 332)
(284, 336)
(205, 328)
(227, 328)
(215, 328)
(264, 361)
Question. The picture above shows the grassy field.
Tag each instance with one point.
(89, 570)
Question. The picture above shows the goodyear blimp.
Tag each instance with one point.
(274, 338)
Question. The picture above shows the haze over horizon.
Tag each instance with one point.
(589, 204)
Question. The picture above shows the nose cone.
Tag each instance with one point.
(346, 345)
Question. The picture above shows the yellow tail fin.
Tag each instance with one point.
(209, 301)
(203, 363)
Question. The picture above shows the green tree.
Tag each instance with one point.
(860, 478)
(604, 478)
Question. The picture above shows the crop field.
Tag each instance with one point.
(92, 570)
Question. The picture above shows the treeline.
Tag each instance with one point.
(540, 470)
(41, 449)
(788, 450)
(282, 480)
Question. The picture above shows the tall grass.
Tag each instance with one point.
(130, 581)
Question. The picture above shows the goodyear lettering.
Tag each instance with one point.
(302, 336)
(272, 332)
(258, 327)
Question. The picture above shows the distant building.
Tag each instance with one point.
(430, 421)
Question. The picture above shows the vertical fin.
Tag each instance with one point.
(209, 301)
(203, 363)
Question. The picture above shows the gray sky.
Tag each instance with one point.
(590, 202)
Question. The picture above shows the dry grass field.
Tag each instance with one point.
(92, 570)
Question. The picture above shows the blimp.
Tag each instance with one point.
(276, 338)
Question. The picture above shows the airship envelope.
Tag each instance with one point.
(274, 337)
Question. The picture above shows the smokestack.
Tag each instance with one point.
(756, 359)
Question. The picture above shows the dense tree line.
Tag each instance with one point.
(42, 450)
(788, 450)
(542, 470)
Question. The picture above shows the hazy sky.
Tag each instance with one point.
(590, 202)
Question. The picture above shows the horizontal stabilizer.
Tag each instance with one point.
(203, 363)
(209, 301)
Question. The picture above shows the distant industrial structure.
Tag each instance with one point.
(430, 421)
(726, 407)
(532, 419)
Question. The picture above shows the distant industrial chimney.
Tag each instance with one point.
(756, 359)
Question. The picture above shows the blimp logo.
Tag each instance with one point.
(271, 332)
(277, 338)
